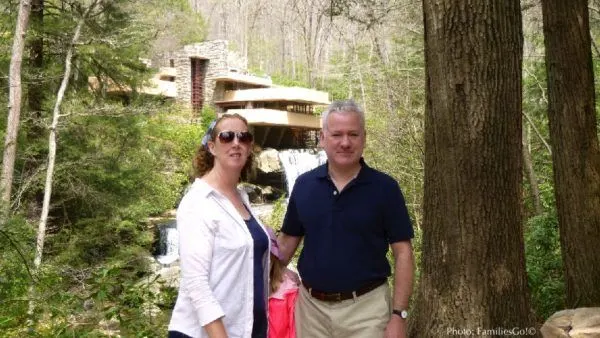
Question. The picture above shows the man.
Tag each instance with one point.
(348, 215)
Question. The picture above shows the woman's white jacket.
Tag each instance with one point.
(216, 254)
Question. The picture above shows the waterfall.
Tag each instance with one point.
(294, 162)
(298, 161)
(168, 246)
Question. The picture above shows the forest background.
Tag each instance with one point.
(120, 162)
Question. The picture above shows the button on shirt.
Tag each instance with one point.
(216, 252)
(346, 233)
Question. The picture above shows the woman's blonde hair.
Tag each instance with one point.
(204, 160)
(276, 274)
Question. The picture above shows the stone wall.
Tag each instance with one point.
(219, 61)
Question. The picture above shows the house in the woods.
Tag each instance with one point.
(208, 73)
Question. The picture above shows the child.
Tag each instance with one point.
(283, 290)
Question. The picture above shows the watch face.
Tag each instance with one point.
(401, 313)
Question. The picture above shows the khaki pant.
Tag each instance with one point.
(362, 317)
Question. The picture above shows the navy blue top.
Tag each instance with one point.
(261, 244)
(346, 234)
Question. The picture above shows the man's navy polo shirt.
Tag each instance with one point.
(346, 234)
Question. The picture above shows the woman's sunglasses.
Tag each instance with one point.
(242, 136)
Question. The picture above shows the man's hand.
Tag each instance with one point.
(396, 328)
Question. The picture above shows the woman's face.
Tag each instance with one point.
(232, 144)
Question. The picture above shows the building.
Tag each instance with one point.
(208, 73)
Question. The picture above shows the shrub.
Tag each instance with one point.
(544, 265)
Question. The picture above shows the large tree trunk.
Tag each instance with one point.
(14, 102)
(576, 153)
(473, 263)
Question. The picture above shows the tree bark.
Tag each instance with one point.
(473, 262)
(14, 102)
(35, 93)
(41, 235)
(575, 148)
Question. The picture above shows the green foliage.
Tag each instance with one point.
(276, 221)
(16, 257)
(113, 171)
(283, 80)
(207, 115)
(116, 166)
(544, 265)
(173, 24)
(134, 305)
(276, 218)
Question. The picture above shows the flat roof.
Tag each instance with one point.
(155, 86)
(243, 78)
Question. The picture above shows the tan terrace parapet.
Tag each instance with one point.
(281, 94)
(274, 117)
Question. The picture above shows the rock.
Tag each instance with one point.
(254, 192)
(574, 323)
(261, 194)
(88, 304)
(263, 211)
(267, 161)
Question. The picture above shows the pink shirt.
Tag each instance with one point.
(281, 309)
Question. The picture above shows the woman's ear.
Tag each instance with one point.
(211, 147)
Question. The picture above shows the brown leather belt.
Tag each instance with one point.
(340, 296)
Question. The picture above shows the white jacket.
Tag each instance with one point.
(216, 252)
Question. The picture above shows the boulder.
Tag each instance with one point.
(267, 161)
(573, 323)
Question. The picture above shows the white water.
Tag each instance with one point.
(298, 161)
(168, 251)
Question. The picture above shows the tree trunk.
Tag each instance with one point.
(41, 235)
(473, 262)
(14, 102)
(575, 148)
(534, 189)
(35, 93)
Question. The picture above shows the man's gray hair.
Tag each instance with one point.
(343, 107)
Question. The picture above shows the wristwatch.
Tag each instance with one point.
(402, 313)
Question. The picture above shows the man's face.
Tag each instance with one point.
(343, 139)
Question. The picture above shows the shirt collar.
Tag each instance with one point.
(323, 172)
(206, 189)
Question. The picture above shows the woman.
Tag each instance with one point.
(223, 248)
